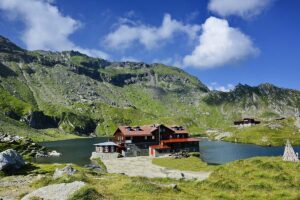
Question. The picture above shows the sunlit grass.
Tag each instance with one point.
(186, 164)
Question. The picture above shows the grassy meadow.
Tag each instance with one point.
(254, 178)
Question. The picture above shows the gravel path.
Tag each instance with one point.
(142, 166)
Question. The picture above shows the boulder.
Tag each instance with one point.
(93, 167)
(68, 170)
(61, 191)
(10, 160)
(54, 154)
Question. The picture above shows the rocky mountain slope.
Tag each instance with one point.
(69, 92)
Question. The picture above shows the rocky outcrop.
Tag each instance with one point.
(61, 191)
(23, 146)
(10, 160)
(245, 99)
(68, 170)
(39, 120)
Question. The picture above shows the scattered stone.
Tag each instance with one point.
(223, 135)
(264, 139)
(68, 170)
(41, 154)
(61, 191)
(275, 126)
(54, 153)
(10, 160)
(168, 186)
(26, 146)
(94, 167)
(10, 138)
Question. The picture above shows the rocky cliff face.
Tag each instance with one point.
(79, 94)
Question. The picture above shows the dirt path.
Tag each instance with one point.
(142, 166)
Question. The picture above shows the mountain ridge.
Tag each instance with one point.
(86, 95)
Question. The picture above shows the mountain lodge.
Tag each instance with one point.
(153, 140)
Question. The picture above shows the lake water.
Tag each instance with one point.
(78, 151)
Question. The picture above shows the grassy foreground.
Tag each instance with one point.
(186, 164)
(255, 178)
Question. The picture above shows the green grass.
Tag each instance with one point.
(175, 97)
(86, 193)
(101, 164)
(260, 178)
(187, 164)
(263, 135)
(254, 178)
(10, 103)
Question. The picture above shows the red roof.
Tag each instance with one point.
(178, 129)
(179, 140)
(147, 130)
(160, 147)
(137, 131)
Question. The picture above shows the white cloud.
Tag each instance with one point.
(243, 8)
(219, 44)
(45, 26)
(149, 36)
(222, 88)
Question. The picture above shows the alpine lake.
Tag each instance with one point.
(78, 151)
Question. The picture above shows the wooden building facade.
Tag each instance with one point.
(153, 140)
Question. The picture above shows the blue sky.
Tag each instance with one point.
(222, 42)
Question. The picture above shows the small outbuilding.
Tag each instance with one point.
(106, 147)
(246, 122)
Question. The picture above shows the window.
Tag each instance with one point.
(145, 137)
(177, 136)
(171, 136)
(153, 137)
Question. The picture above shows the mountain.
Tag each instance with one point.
(50, 93)
(265, 100)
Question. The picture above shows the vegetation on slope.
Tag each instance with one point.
(92, 96)
(272, 133)
(254, 178)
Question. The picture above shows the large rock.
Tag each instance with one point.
(61, 191)
(10, 160)
(68, 170)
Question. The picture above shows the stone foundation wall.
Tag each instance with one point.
(104, 156)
